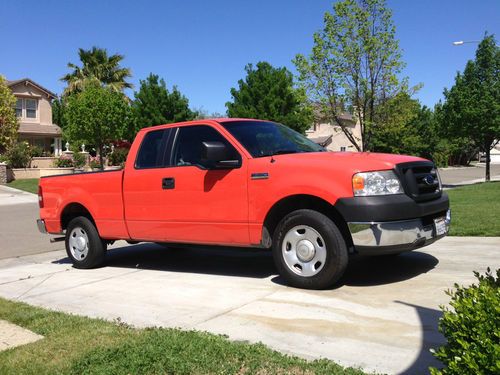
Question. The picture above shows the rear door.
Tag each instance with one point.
(143, 192)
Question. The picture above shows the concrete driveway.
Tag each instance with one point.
(383, 317)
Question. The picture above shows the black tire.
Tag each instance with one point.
(96, 247)
(336, 259)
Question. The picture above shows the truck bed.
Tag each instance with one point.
(99, 192)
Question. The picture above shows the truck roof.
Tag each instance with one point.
(200, 121)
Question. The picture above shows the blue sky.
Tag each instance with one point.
(203, 46)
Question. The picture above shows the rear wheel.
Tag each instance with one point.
(309, 250)
(83, 245)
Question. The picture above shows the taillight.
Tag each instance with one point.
(40, 196)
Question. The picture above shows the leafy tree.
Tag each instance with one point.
(398, 134)
(355, 62)
(97, 67)
(154, 104)
(268, 93)
(96, 116)
(8, 120)
(58, 106)
(472, 106)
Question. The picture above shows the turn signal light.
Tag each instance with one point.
(358, 182)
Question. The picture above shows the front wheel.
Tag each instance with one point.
(309, 250)
(83, 245)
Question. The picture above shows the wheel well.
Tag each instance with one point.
(73, 210)
(298, 202)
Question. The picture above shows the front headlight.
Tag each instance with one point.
(376, 183)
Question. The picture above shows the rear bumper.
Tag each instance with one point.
(376, 238)
(40, 223)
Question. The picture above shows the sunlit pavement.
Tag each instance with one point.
(382, 317)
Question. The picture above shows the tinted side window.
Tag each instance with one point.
(189, 145)
(151, 152)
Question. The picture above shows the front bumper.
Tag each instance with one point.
(373, 238)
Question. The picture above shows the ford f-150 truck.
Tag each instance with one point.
(250, 183)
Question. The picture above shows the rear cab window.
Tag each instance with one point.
(152, 152)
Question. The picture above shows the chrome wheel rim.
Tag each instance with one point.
(79, 243)
(304, 251)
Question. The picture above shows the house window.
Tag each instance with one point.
(31, 107)
(342, 149)
(26, 108)
(19, 108)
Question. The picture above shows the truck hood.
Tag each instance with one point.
(353, 161)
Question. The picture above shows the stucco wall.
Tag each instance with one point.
(42, 162)
(339, 139)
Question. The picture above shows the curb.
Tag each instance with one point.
(14, 190)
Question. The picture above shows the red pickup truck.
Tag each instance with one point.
(250, 183)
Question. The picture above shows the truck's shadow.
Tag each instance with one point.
(362, 272)
(256, 263)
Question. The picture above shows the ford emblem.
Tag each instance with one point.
(429, 180)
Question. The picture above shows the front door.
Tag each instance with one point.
(203, 205)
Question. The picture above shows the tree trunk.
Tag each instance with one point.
(101, 158)
(488, 151)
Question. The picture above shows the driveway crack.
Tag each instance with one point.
(83, 284)
(229, 310)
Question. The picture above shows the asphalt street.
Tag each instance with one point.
(465, 175)
(19, 234)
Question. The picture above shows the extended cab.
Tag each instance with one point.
(250, 183)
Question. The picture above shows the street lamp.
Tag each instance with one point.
(461, 42)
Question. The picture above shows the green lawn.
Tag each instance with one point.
(29, 185)
(79, 345)
(475, 210)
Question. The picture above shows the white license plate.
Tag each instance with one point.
(440, 225)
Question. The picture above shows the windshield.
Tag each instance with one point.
(263, 138)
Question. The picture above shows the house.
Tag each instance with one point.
(34, 111)
(331, 135)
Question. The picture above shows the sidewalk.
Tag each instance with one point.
(12, 335)
(11, 196)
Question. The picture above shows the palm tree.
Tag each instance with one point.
(97, 68)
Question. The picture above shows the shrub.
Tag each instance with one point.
(79, 160)
(37, 151)
(64, 161)
(118, 156)
(19, 155)
(472, 328)
(95, 162)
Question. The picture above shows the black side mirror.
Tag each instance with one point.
(215, 155)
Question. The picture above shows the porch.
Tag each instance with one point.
(46, 137)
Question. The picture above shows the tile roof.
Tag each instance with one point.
(38, 129)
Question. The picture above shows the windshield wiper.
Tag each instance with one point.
(280, 152)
